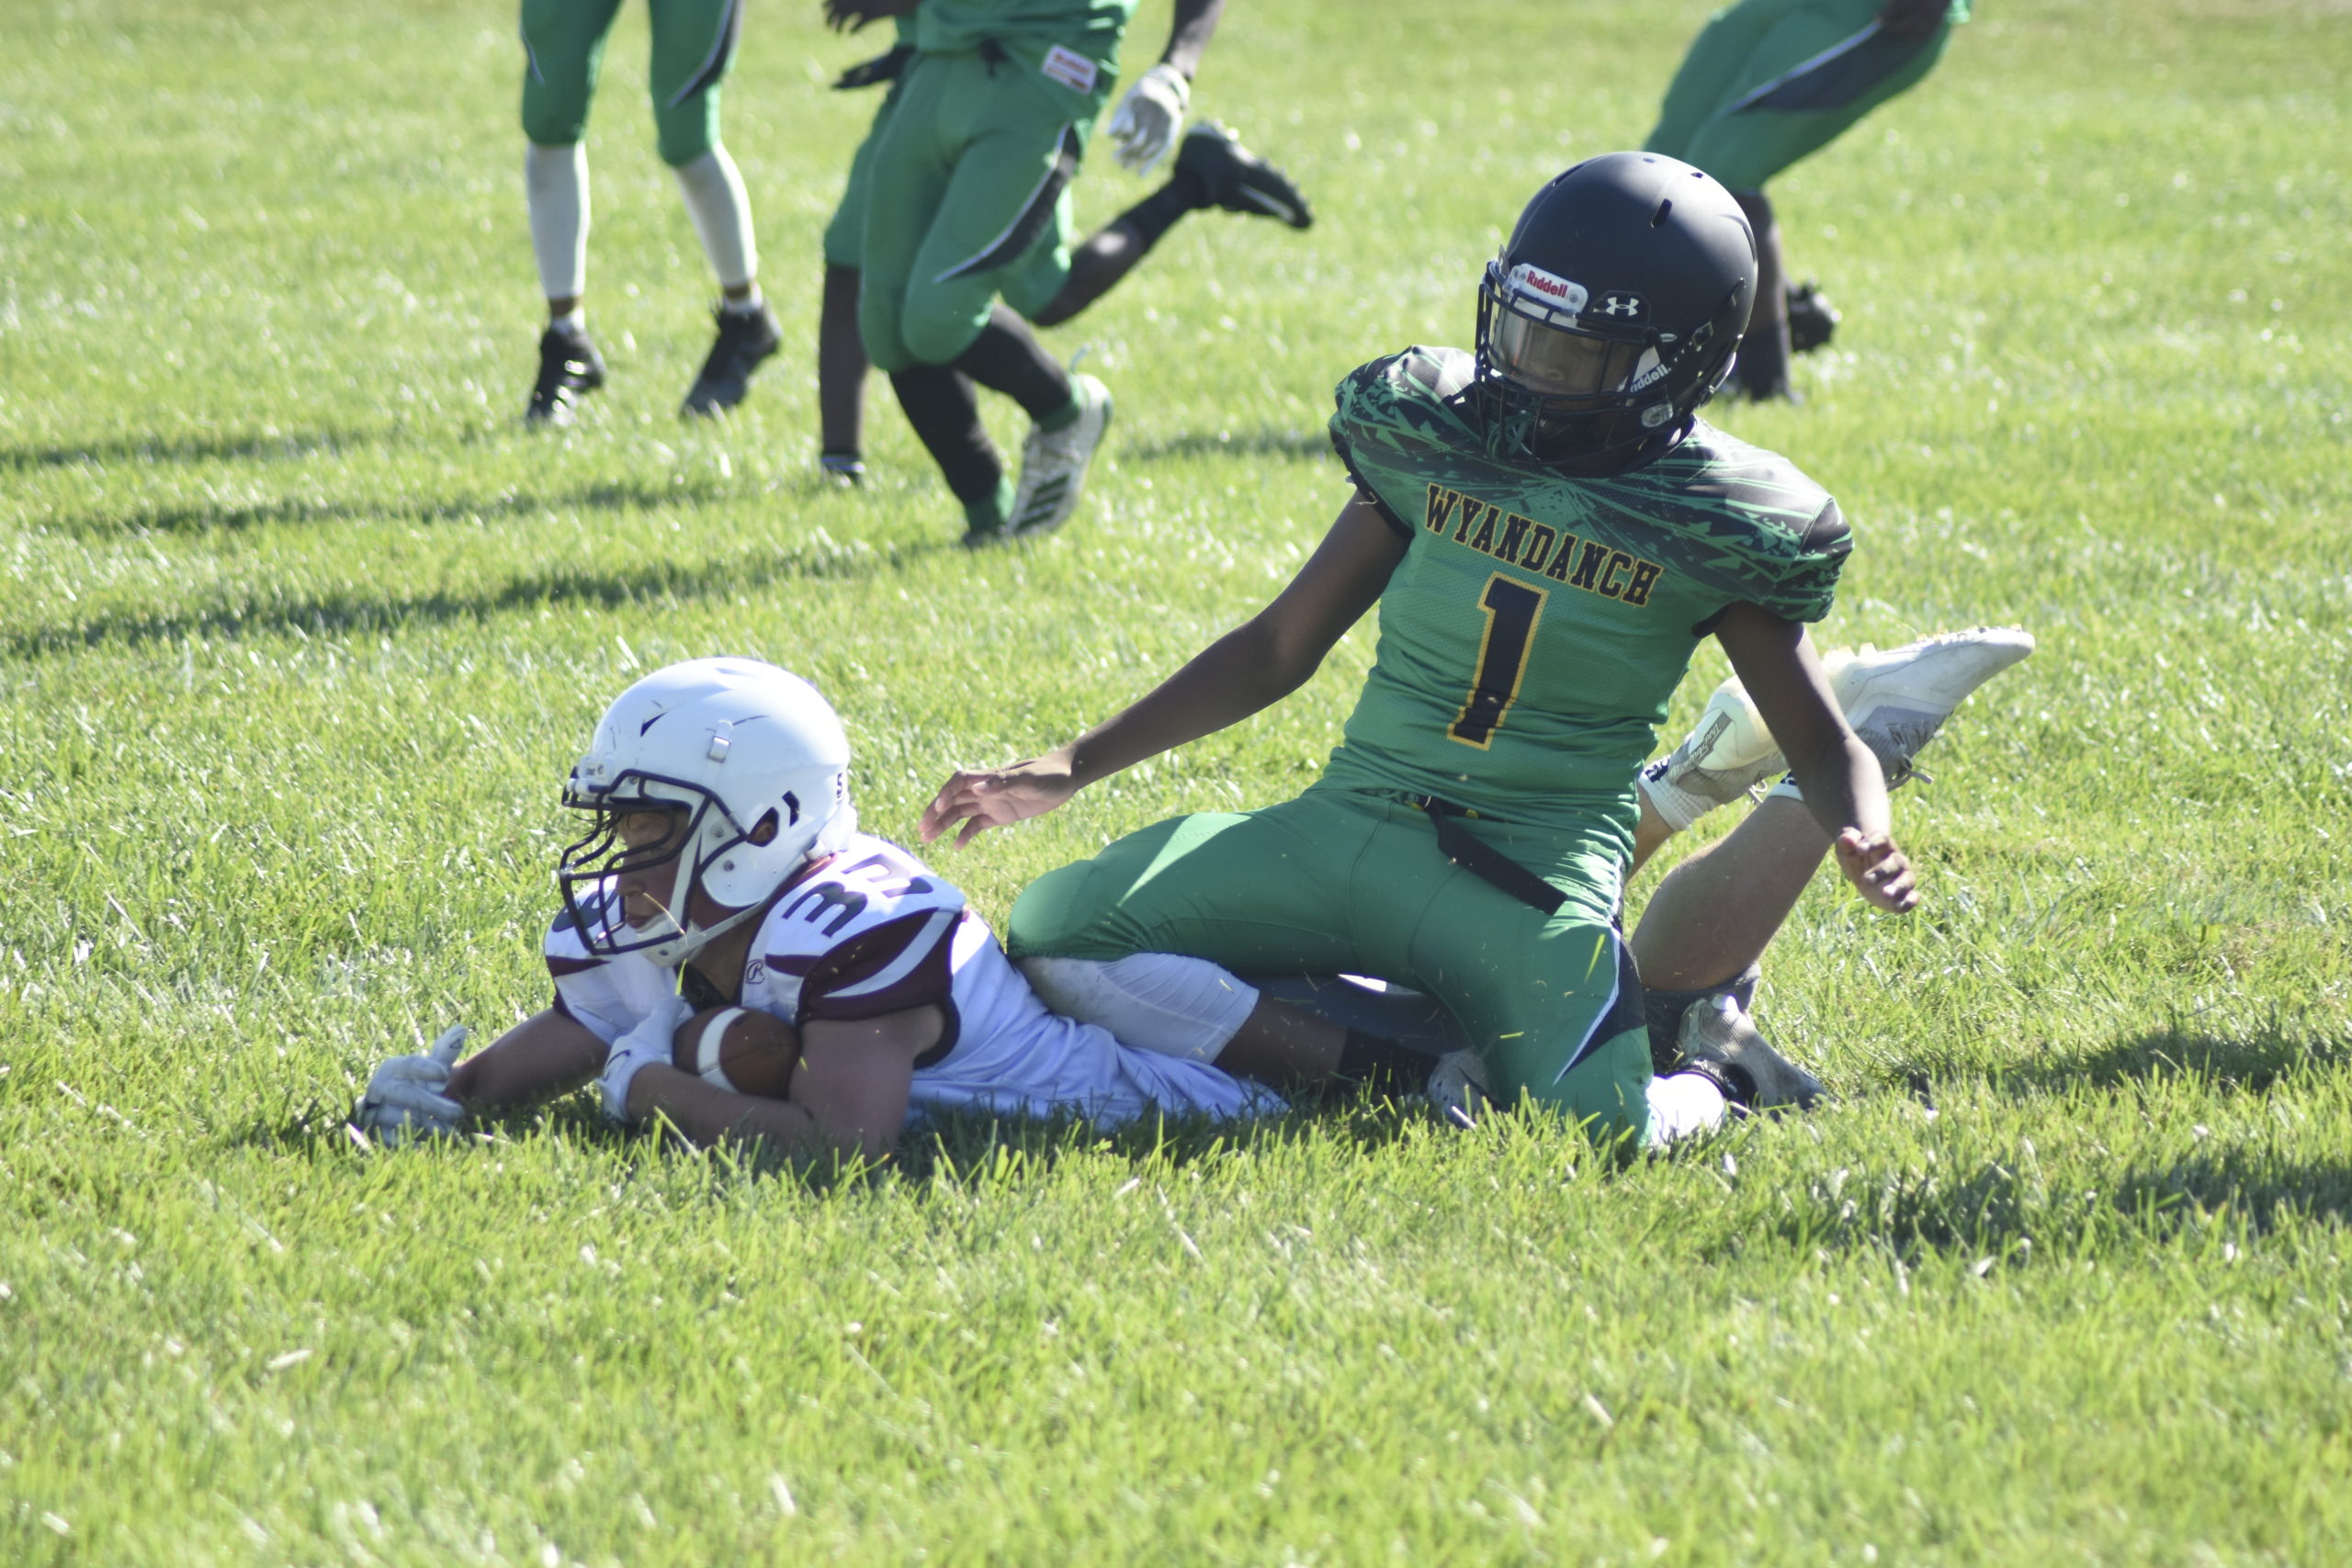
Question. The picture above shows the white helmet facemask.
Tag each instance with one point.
(721, 777)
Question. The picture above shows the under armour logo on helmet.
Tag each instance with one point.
(1621, 304)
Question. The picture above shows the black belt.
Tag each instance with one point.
(1485, 862)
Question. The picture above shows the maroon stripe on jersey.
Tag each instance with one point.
(899, 964)
(560, 967)
(794, 963)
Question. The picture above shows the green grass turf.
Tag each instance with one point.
(299, 632)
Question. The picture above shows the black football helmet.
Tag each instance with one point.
(1612, 313)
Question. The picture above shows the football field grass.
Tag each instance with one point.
(299, 632)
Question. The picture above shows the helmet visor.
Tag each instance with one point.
(1554, 363)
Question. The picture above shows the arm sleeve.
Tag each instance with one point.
(1807, 583)
(901, 964)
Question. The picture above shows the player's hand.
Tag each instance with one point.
(848, 15)
(405, 1099)
(1149, 117)
(999, 797)
(652, 1040)
(1873, 865)
(1911, 18)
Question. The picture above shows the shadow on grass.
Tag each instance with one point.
(363, 610)
(2250, 1062)
(1294, 445)
(211, 446)
(212, 517)
(956, 1148)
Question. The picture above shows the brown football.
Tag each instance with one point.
(751, 1052)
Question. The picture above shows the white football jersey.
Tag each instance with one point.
(871, 930)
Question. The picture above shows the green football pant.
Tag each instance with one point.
(967, 197)
(1353, 883)
(1767, 82)
(694, 44)
(846, 234)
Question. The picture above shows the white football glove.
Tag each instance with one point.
(651, 1042)
(1149, 117)
(404, 1099)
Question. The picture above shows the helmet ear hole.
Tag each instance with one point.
(765, 831)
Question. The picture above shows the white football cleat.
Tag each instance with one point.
(1727, 753)
(1053, 464)
(1896, 700)
(1458, 1089)
(1720, 1040)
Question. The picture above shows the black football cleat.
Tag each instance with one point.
(569, 367)
(1238, 179)
(1813, 320)
(746, 338)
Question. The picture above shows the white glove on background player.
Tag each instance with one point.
(1149, 117)
(404, 1099)
(649, 1042)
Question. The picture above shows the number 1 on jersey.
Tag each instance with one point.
(1512, 609)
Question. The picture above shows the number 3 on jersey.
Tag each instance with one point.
(1512, 609)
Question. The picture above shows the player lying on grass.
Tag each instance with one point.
(1054, 280)
(1549, 531)
(724, 870)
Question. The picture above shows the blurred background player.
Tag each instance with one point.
(1765, 83)
(723, 867)
(694, 44)
(961, 194)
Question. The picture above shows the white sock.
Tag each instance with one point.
(1676, 806)
(721, 209)
(557, 181)
(1682, 1104)
(1153, 1002)
(573, 321)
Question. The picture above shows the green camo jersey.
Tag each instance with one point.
(1070, 47)
(1538, 623)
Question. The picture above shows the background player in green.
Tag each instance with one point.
(964, 188)
(1765, 83)
(1549, 531)
(694, 44)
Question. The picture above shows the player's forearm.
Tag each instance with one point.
(1241, 673)
(1187, 38)
(706, 1116)
(545, 1055)
(1843, 785)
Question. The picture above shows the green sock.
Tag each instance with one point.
(1063, 417)
(989, 512)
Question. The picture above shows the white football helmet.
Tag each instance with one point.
(753, 764)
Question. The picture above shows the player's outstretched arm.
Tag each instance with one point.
(547, 1055)
(1152, 113)
(1843, 786)
(1251, 667)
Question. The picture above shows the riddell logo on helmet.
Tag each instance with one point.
(1557, 292)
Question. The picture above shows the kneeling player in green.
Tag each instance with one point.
(1767, 82)
(1549, 531)
(694, 44)
(964, 188)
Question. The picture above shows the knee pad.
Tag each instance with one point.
(1153, 1002)
(1662, 1011)
(937, 327)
